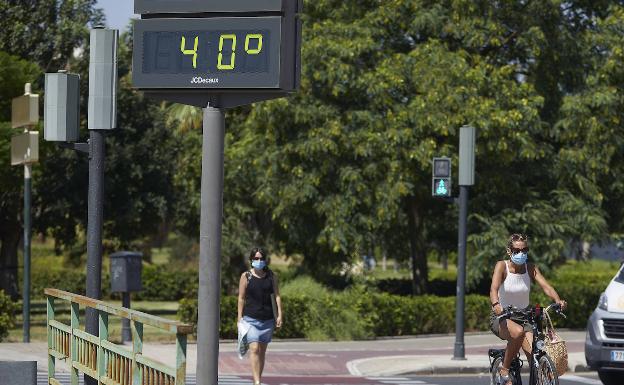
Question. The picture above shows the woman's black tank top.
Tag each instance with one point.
(258, 297)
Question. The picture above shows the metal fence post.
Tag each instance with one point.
(137, 348)
(75, 324)
(50, 316)
(180, 359)
(103, 336)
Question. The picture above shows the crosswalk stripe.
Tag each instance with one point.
(386, 378)
(65, 378)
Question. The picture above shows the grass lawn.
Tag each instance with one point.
(38, 321)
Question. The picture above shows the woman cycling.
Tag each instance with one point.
(511, 285)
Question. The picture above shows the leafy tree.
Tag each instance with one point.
(14, 72)
(139, 172)
(46, 32)
(141, 153)
(386, 87)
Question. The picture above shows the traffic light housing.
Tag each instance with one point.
(441, 178)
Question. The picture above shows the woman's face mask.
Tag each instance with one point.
(519, 253)
(258, 264)
(519, 258)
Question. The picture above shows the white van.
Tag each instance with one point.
(604, 342)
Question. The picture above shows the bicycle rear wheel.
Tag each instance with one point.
(546, 373)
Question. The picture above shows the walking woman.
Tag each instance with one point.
(511, 285)
(258, 310)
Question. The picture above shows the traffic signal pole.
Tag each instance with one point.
(467, 135)
(459, 352)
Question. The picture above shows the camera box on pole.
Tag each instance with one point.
(62, 107)
(103, 79)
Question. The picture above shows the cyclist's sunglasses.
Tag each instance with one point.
(522, 250)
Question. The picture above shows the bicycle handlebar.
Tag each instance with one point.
(511, 311)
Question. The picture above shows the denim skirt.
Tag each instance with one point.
(260, 331)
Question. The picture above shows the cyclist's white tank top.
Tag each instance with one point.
(515, 288)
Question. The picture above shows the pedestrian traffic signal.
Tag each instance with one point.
(441, 177)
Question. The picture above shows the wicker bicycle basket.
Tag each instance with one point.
(556, 347)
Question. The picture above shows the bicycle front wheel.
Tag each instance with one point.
(495, 371)
(546, 373)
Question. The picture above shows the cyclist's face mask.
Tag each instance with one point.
(519, 255)
(519, 258)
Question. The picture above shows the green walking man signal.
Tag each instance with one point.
(441, 177)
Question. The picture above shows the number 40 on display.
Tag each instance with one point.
(222, 39)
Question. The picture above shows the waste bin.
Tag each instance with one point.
(125, 277)
(125, 271)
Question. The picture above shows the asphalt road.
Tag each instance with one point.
(474, 379)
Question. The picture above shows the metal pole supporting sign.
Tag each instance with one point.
(25, 150)
(210, 246)
(466, 178)
(170, 62)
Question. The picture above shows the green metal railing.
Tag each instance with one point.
(103, 360)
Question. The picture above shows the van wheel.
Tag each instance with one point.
(611, 378)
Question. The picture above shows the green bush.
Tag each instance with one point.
(159, 283)
(357, 314)
(162, 284)
(582, 296)
(71, 280)
(7, 314)
(302, 285)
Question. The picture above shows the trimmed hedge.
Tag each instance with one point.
(159, 283)
(7, 314)
(582, 295)
(370, 314)
(356, 314)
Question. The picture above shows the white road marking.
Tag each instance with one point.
(64, 378)
(582, 380)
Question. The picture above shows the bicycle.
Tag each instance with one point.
(542, 370)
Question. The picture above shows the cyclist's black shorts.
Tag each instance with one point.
(519, 319)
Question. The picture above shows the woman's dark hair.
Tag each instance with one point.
(262, 252)
(515, 238)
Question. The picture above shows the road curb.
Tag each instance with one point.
(434, 365)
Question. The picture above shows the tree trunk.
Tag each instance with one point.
(417, 250)
(585, 251)
(10, 241)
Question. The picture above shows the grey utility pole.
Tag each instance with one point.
(25, 150)
(102, 117)
(210, 246)
(467, 136)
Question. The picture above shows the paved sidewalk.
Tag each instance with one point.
(383, 357)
